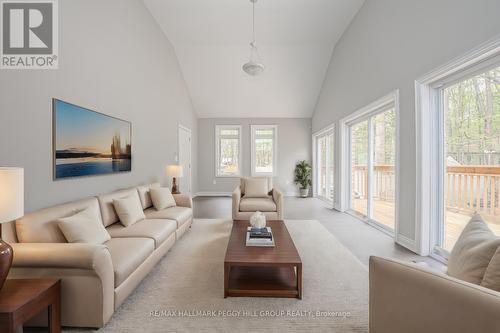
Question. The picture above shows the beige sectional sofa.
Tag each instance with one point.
(96, 279)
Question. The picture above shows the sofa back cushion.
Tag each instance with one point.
(473, 251)
(41, 226)
(145, 195)
(108, 212)
(243, 182)
(84, 227)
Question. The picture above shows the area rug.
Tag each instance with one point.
(184, 293)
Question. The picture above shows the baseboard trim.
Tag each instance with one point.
(404, 241)
(212, 194)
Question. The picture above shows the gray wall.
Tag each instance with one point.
(113, 59)
(294, 144)
(389, 44)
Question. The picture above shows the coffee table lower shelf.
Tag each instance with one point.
(263, 281)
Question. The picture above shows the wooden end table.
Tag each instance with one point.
(21, 299)
(262, 271)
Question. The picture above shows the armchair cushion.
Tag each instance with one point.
(84, 227)
(256, 188)
(243, 181)
(257, 204)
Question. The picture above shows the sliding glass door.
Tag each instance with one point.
(373, 178)
(324, 165)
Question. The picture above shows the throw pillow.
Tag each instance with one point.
(473, 251)
(256, 188)
(83, 227)
(491, 277)
(162, 198)
(129, 209)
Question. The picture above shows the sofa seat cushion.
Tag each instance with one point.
(158, 230)
(179, 214)
(257, 204)
(127, 254)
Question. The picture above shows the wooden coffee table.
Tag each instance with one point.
(262, 271)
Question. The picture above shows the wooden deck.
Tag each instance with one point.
(383, 212)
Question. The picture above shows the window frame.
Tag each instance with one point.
(218, 129)
(385, 103)
(315, 137)
(429, 120)
(253, 129)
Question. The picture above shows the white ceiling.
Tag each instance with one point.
(295, 40)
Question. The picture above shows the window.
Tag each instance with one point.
(458, 148)
(264, 154)
(369, 168)
(470, 154)
(324, 170)
(228, 150)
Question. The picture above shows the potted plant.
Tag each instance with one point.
(303, 177)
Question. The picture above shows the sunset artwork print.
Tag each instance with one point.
(89, 143)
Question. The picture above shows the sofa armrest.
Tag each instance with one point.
(278, 200)
(65, 255)
(236, 196)
(183, 200)
(406, 298)
(86, 272)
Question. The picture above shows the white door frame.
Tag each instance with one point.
(187, 129)
(315, 137)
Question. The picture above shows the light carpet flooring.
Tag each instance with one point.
(189, 279)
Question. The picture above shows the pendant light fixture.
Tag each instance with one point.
(253, 67)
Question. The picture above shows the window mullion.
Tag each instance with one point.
(370, 169)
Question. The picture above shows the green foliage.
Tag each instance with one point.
(303, 172)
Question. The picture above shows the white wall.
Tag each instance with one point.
(113, 59)
(294, 144)
(389, 44)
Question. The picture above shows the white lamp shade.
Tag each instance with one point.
(174, 171)
(11, 194)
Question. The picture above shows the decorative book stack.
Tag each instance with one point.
(260, 237)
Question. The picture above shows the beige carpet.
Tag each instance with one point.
(184, 293)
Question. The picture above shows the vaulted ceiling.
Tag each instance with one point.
(295, 39)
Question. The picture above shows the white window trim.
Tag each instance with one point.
(315, 136)
(344, 184)
(253, 128)
(429, 192)
(217, 150)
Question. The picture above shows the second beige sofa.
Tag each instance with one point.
(96, 279)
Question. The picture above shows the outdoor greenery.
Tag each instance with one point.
(472, 120)
(303, 172)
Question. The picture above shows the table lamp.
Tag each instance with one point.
(174, 171)
(11, 208)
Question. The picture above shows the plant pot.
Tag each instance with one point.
(304, 192)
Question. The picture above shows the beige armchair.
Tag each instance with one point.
(405, 297)
(257, 194)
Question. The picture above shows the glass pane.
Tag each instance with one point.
(359, 160)
(229, 132)
(322, 187)
(329, 194)
(229, 156)
(264, 132)
(264, 155)
(383, 176)
(472, 154)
